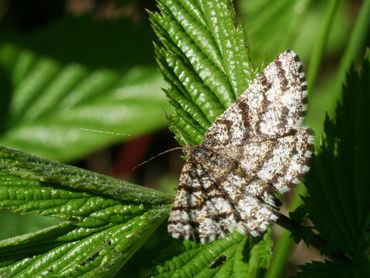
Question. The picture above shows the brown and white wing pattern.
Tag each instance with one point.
(222, 190)
(256, 148)
(210, 205)
(280, 162)
(272, 106)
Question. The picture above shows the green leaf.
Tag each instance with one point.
(50, 105)
(25, 166)
(338, 183)
(233, 256)
(104, 220)
(202, 54)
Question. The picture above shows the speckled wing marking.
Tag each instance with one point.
(273, 106)
(256, 148)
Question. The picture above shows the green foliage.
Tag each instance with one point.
(49, 102)
(233, 256)
(48, 95)
(203, 55)
(338, 184)
(104, 220)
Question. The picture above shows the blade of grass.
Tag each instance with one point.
(353, 49)
(320, 45)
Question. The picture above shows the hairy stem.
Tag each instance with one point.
(315, 240)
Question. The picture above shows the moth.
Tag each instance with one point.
(258, 147)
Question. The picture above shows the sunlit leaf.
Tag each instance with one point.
(61, 111)
(202, 53)
(104, 220)
(233, 256)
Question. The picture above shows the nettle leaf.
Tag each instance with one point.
(47, 106)
(104, 220)
(202, 54)
(338, 183)
(233, 256)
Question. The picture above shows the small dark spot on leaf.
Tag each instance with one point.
(90, 259)
(108, 243)
(220, 261)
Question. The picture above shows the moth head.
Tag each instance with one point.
(201, 153)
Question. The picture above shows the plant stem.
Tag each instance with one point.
(320, 45)
(353, 49)
(315, 240)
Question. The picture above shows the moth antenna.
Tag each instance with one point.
(104, 132)
(154, 157)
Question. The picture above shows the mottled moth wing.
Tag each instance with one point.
(280, 163)
(273, 106)
(225, 190)
(210, 205)
(255, 148)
